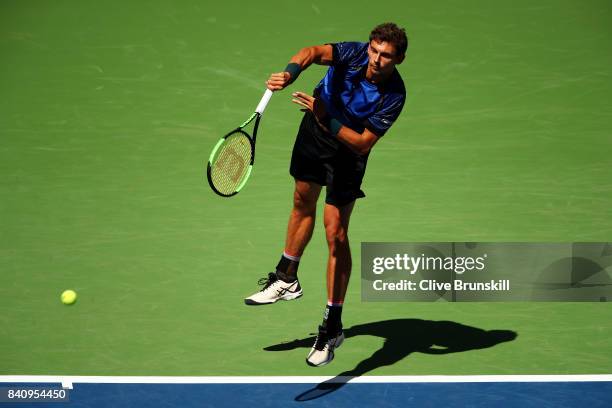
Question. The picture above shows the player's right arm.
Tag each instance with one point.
(318, 54)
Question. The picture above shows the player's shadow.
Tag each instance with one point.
(402, 337)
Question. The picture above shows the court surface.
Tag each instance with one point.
(109, 113)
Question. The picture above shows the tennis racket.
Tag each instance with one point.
(231, 161)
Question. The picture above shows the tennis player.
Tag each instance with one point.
(354, 105)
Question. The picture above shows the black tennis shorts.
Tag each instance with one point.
(318, 157)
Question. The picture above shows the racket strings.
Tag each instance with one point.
(231, 163)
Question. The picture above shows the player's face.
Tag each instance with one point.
(382, 58)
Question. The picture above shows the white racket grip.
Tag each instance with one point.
(264, 101)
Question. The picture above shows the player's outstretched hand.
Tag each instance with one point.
(304, 100)
(312, 104)
(278, 81)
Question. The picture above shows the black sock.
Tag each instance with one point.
(332, 319)
(286, 270)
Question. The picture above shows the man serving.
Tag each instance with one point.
(360, 97)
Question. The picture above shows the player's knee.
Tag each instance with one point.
(336, 234)
(304, 202)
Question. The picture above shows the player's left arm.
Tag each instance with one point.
(360, 143)
(377, 125)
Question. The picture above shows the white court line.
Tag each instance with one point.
(67, 381)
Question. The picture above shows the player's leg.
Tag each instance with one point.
(339, 263)
(310, 173)
(283, 284)
(299, 229)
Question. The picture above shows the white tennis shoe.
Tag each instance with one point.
(323, 350)
(274, 290)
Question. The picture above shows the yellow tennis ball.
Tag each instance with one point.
(69, 297)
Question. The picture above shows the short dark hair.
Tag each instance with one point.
(391, 33)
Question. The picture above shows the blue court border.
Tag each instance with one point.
(498, 394)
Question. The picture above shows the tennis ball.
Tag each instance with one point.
(68, 297)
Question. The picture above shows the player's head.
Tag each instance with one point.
(391, 33)
(388, 44)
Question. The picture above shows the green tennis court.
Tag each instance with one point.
(109, 113)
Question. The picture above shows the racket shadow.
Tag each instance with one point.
(402, 338)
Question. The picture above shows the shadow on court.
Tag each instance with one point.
(402, 337)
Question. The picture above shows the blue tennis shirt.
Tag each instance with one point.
(354, 101)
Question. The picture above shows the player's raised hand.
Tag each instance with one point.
(278, 81)
(304, 100)
(315, 105)
(310, 103)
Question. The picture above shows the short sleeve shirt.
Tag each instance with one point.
(352, 99)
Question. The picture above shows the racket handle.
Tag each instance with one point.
(264, 102)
